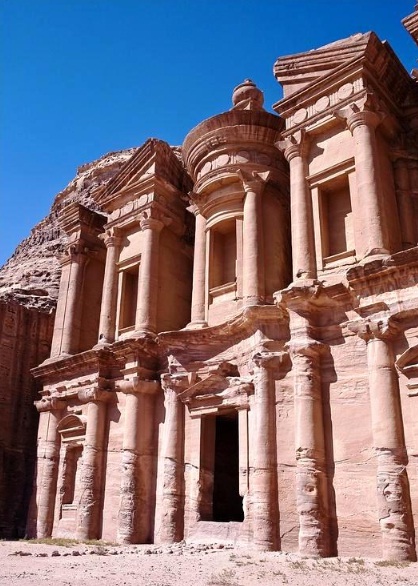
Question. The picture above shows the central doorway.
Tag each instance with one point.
(221, 461)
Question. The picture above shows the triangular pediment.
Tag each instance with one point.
(154, 160)
(295, 72)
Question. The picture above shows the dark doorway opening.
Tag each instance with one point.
(227, 502)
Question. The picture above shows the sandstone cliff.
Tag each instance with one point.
(31, 275)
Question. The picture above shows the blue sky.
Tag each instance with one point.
(81, 78)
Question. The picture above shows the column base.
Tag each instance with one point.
(252, 301)
(196, 325)
(52, 359)
(102, 344)
(143, 333)
(375, 254)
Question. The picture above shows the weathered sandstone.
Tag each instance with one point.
(235, 346)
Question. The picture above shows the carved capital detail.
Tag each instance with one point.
(369, 329)
(305, 347)
(76, 252)
(112, 237)
(363, 112)
(173, 385)
(294, 145)
(94, 394)
(50, 404)
(274, 361)
(153, 219)
(253, 182)
(138, 386)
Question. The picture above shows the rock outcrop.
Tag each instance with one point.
(32, 273)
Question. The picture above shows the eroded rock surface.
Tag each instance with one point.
(32, 273)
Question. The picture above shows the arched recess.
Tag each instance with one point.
(72, 429)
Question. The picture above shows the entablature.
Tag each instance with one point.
(130, 213)
(101, 364)
(312, 106)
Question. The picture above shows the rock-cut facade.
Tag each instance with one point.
(235, 346)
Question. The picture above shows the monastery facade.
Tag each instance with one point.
(235, 349)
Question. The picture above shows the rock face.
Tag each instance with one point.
(257, 384)
(29, 284)
(33, 271)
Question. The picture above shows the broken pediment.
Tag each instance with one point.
(317, 68)
(407, 364)
(154, 161)
(296, 72)
(216, 392)
(318, 83)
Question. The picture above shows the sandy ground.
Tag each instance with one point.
(29, 564)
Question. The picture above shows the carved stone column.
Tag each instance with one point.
(199, 273)
(91, 490)
(394, 501)
(312, 482)
(311, 477)
(47, 464)
(172, 506)
(405, 207)
(253, 282)
(303, 240)
(362, 121)
(68, 321)
(110, 286)
(264, 491)
(137, 461)
(147, 304)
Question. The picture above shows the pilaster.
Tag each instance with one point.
(68, 320)
(92, 489)
(394, 501)
(362, 118)
(312, 482)
(134, 519)
(198, 311)
(172, 504)
(151, 222)
(295, 148)
(263, 486)
(404, 199)
(253, 247)
(47, 464)
(112, 240)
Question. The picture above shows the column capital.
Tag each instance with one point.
(50, 404)
(93, 395)
(254, 182)
(174, 384)
(76, 252)
(363, 112)
(274, 361)
(294, 145)
(193, 209)
(306, 347)
(153, 219)
(371, 329)
(112, 237)
(137, 386)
